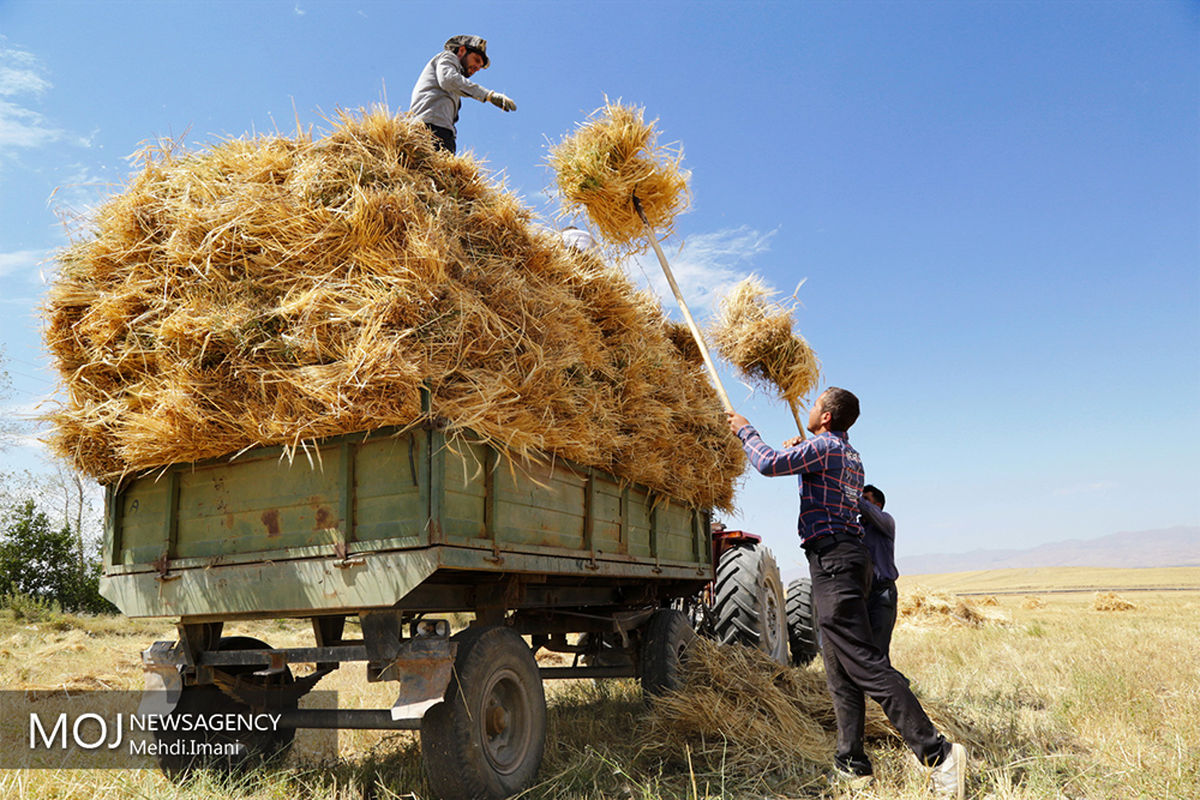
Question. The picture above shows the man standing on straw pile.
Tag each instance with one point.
(879, 535)
(437, 95)
(831, 480)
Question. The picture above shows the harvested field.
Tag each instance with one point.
(1063, 702)
(274, 291)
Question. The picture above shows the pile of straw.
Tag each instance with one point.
(741, 711)
(1111, 601)
(925, 608)
(1032, 602)
(277, 290)
(605, 162)
(754, 333)
(742, 707)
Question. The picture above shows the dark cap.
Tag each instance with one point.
(475, 44)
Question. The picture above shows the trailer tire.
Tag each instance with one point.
(665, 642)
(802, 623)
(258, 747)
(487, 737)
(748, 601)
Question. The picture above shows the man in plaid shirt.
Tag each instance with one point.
(831, 481)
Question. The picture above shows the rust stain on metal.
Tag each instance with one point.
(229, 520)
(325, 518)
(419, 678)
(271, 520)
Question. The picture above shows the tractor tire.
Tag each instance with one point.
(802, 623)
(255, 748)
(748, 603)
(486, 738)
(665, 641)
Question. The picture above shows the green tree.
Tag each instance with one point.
(42, 562)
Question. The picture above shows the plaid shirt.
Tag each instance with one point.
(831, 479)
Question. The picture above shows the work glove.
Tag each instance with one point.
(502, 102)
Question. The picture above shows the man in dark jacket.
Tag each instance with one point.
(831, 480)
(879, 535)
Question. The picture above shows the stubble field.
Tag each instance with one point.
(1058, 699)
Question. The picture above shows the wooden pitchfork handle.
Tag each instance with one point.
(687, 315)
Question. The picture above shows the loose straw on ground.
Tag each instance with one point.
(739, 710)
(1111, 601)
(925, 608)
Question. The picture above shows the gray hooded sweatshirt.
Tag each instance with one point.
(437, 95)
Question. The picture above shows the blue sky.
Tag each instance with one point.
(996, 205)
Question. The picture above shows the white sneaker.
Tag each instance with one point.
(950, 776)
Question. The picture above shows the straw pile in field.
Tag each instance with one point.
(1032, 602)
(605, 162)
(740, 711)
(922, 607)
(754, 333)
(278, 290)
(1111, 601)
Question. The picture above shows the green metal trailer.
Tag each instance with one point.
(394, 527)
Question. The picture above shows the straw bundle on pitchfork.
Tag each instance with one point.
(612, 168)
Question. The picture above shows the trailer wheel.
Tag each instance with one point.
(664, 647)
(253, 747)
(486, 739)
(748, 602)
(802, 628)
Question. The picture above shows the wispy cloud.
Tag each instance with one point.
(300, 12)
(706, 267)
(18, 424)
(80, 191)
(1085, 488)
(18, 261)
(24, 127)
(29, 442)
(20, 75)
(23, 82)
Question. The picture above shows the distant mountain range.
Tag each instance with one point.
(1168, 547)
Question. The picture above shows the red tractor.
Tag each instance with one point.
(746, 602)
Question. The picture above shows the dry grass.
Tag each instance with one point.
(609, 159)
(1028, 580)
(1061, 703)
(754, 333)
(274, 291)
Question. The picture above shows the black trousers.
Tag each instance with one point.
(445, 137)
(881, 611)
(854, 666)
